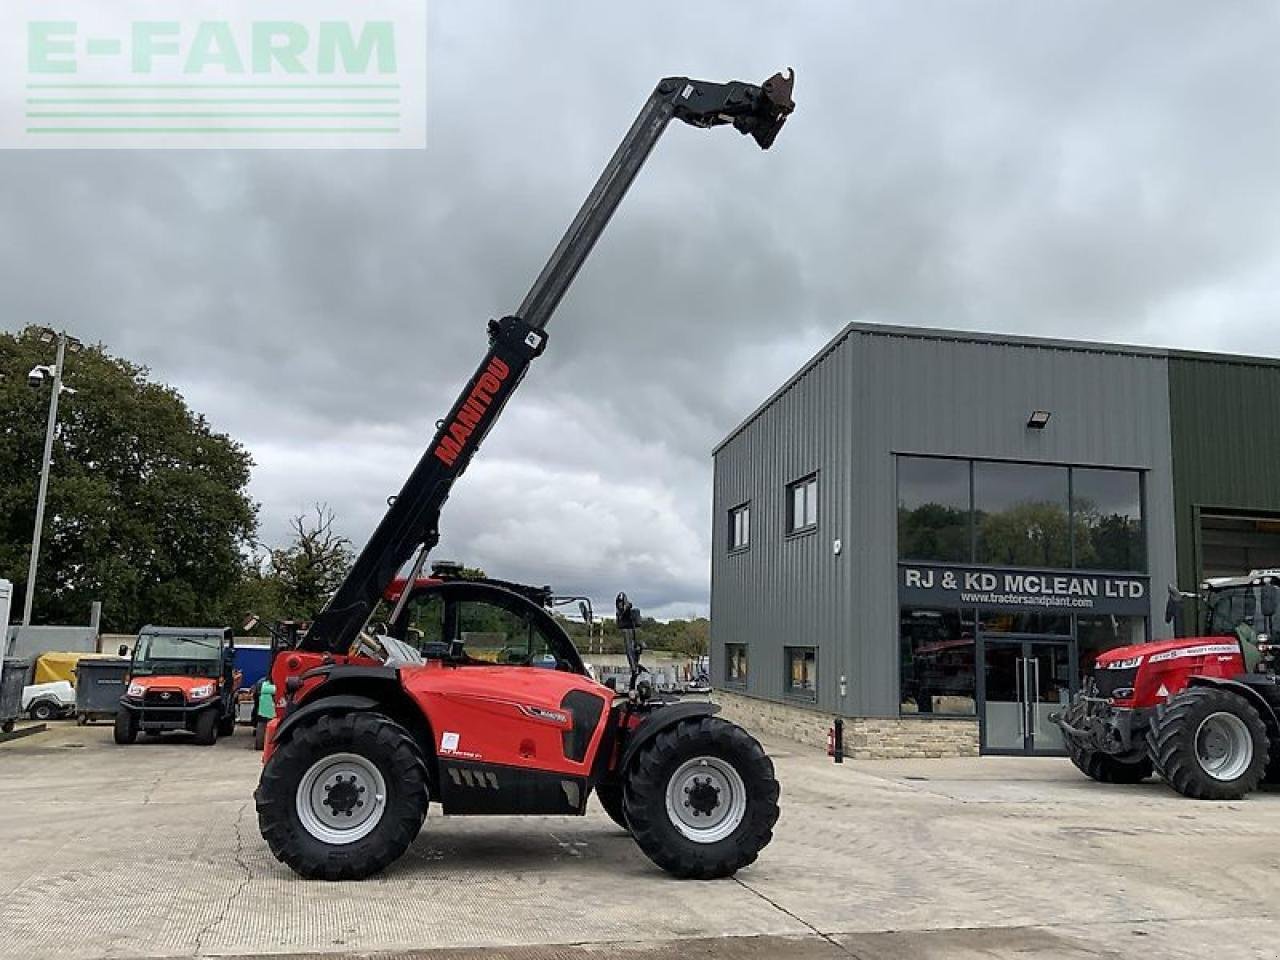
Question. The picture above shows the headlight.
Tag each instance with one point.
(135, 690)
(199, 693)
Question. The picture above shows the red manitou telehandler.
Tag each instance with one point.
(1202, 712)
(470, 695)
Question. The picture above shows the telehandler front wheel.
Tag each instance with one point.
(701, 799)
(343, 797)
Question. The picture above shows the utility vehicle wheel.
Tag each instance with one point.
(343, 797)
(206, 728)
(610, 797)
(227, 726)
(126, 729)
(701, 799)
(42, 711)
(1106, 768)
(1209, 744)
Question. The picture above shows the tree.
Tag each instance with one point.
(295, 581)
(147, 509)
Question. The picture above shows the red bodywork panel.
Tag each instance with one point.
(1165, 666)
(184, 684)
(506, 715)
(511, 716)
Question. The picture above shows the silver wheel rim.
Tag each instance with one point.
(1224, 746)
(706, 799)
(341, 798)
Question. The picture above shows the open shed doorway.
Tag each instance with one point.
(1232, 544)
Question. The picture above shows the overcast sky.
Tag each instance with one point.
(1094, 170)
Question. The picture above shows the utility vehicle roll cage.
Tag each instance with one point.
(412, 517)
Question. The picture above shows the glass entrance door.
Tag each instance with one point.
(1025, 679)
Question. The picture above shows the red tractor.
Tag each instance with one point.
(1202, 712)
(469, 694)
(180, 678)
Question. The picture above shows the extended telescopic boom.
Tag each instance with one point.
(412, 518)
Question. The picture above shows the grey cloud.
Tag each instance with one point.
(1084, 169)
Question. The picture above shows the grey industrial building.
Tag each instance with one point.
(933, 533)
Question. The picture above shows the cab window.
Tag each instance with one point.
(497, 635)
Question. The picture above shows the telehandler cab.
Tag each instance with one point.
(491, 709)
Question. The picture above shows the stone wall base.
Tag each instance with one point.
(865, 738)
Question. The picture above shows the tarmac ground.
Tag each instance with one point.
(153, 850)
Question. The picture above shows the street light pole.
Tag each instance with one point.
(44, 479)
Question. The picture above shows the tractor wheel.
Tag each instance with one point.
(227, 726)
(43, 710)
(1209, 744)
(343, 797)
(1106, 768)
(701, 799)
(610, 797)
(206, 728)
(126, 729)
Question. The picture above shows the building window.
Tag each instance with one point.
(802, 505)
(933, 509)
(1106, 508)
(938, 662)
(1021, 515)
(735, 664)
(802, 672)
(740, 527)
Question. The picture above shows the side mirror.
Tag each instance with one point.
(457, 650)
(585, 611)
(1270, 595)
(123, 651)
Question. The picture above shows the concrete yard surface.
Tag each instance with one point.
(153, 850)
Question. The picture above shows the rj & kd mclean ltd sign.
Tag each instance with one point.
(957, 586)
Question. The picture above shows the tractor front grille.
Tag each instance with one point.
(1108, 682)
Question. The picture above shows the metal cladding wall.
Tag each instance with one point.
(876, 392)
(1225, 416)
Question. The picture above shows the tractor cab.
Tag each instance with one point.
(1243, 608)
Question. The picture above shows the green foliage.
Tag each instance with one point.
(690, 638)
(147, 509)
(294, 582)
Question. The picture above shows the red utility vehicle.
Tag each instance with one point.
(470, 695)
(1202, 712)
(180, 678)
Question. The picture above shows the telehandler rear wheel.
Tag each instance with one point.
(701, 799)
(1209, 744)
(343, 797)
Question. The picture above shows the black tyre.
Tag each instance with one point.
(343, 797)
(227, 726)
(1106, 768)
(610, 797)
(260, 736)
(701, 799)
(7, 726)
(206, 728)
(1209, 744)
(44, 710)
(126, 728)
